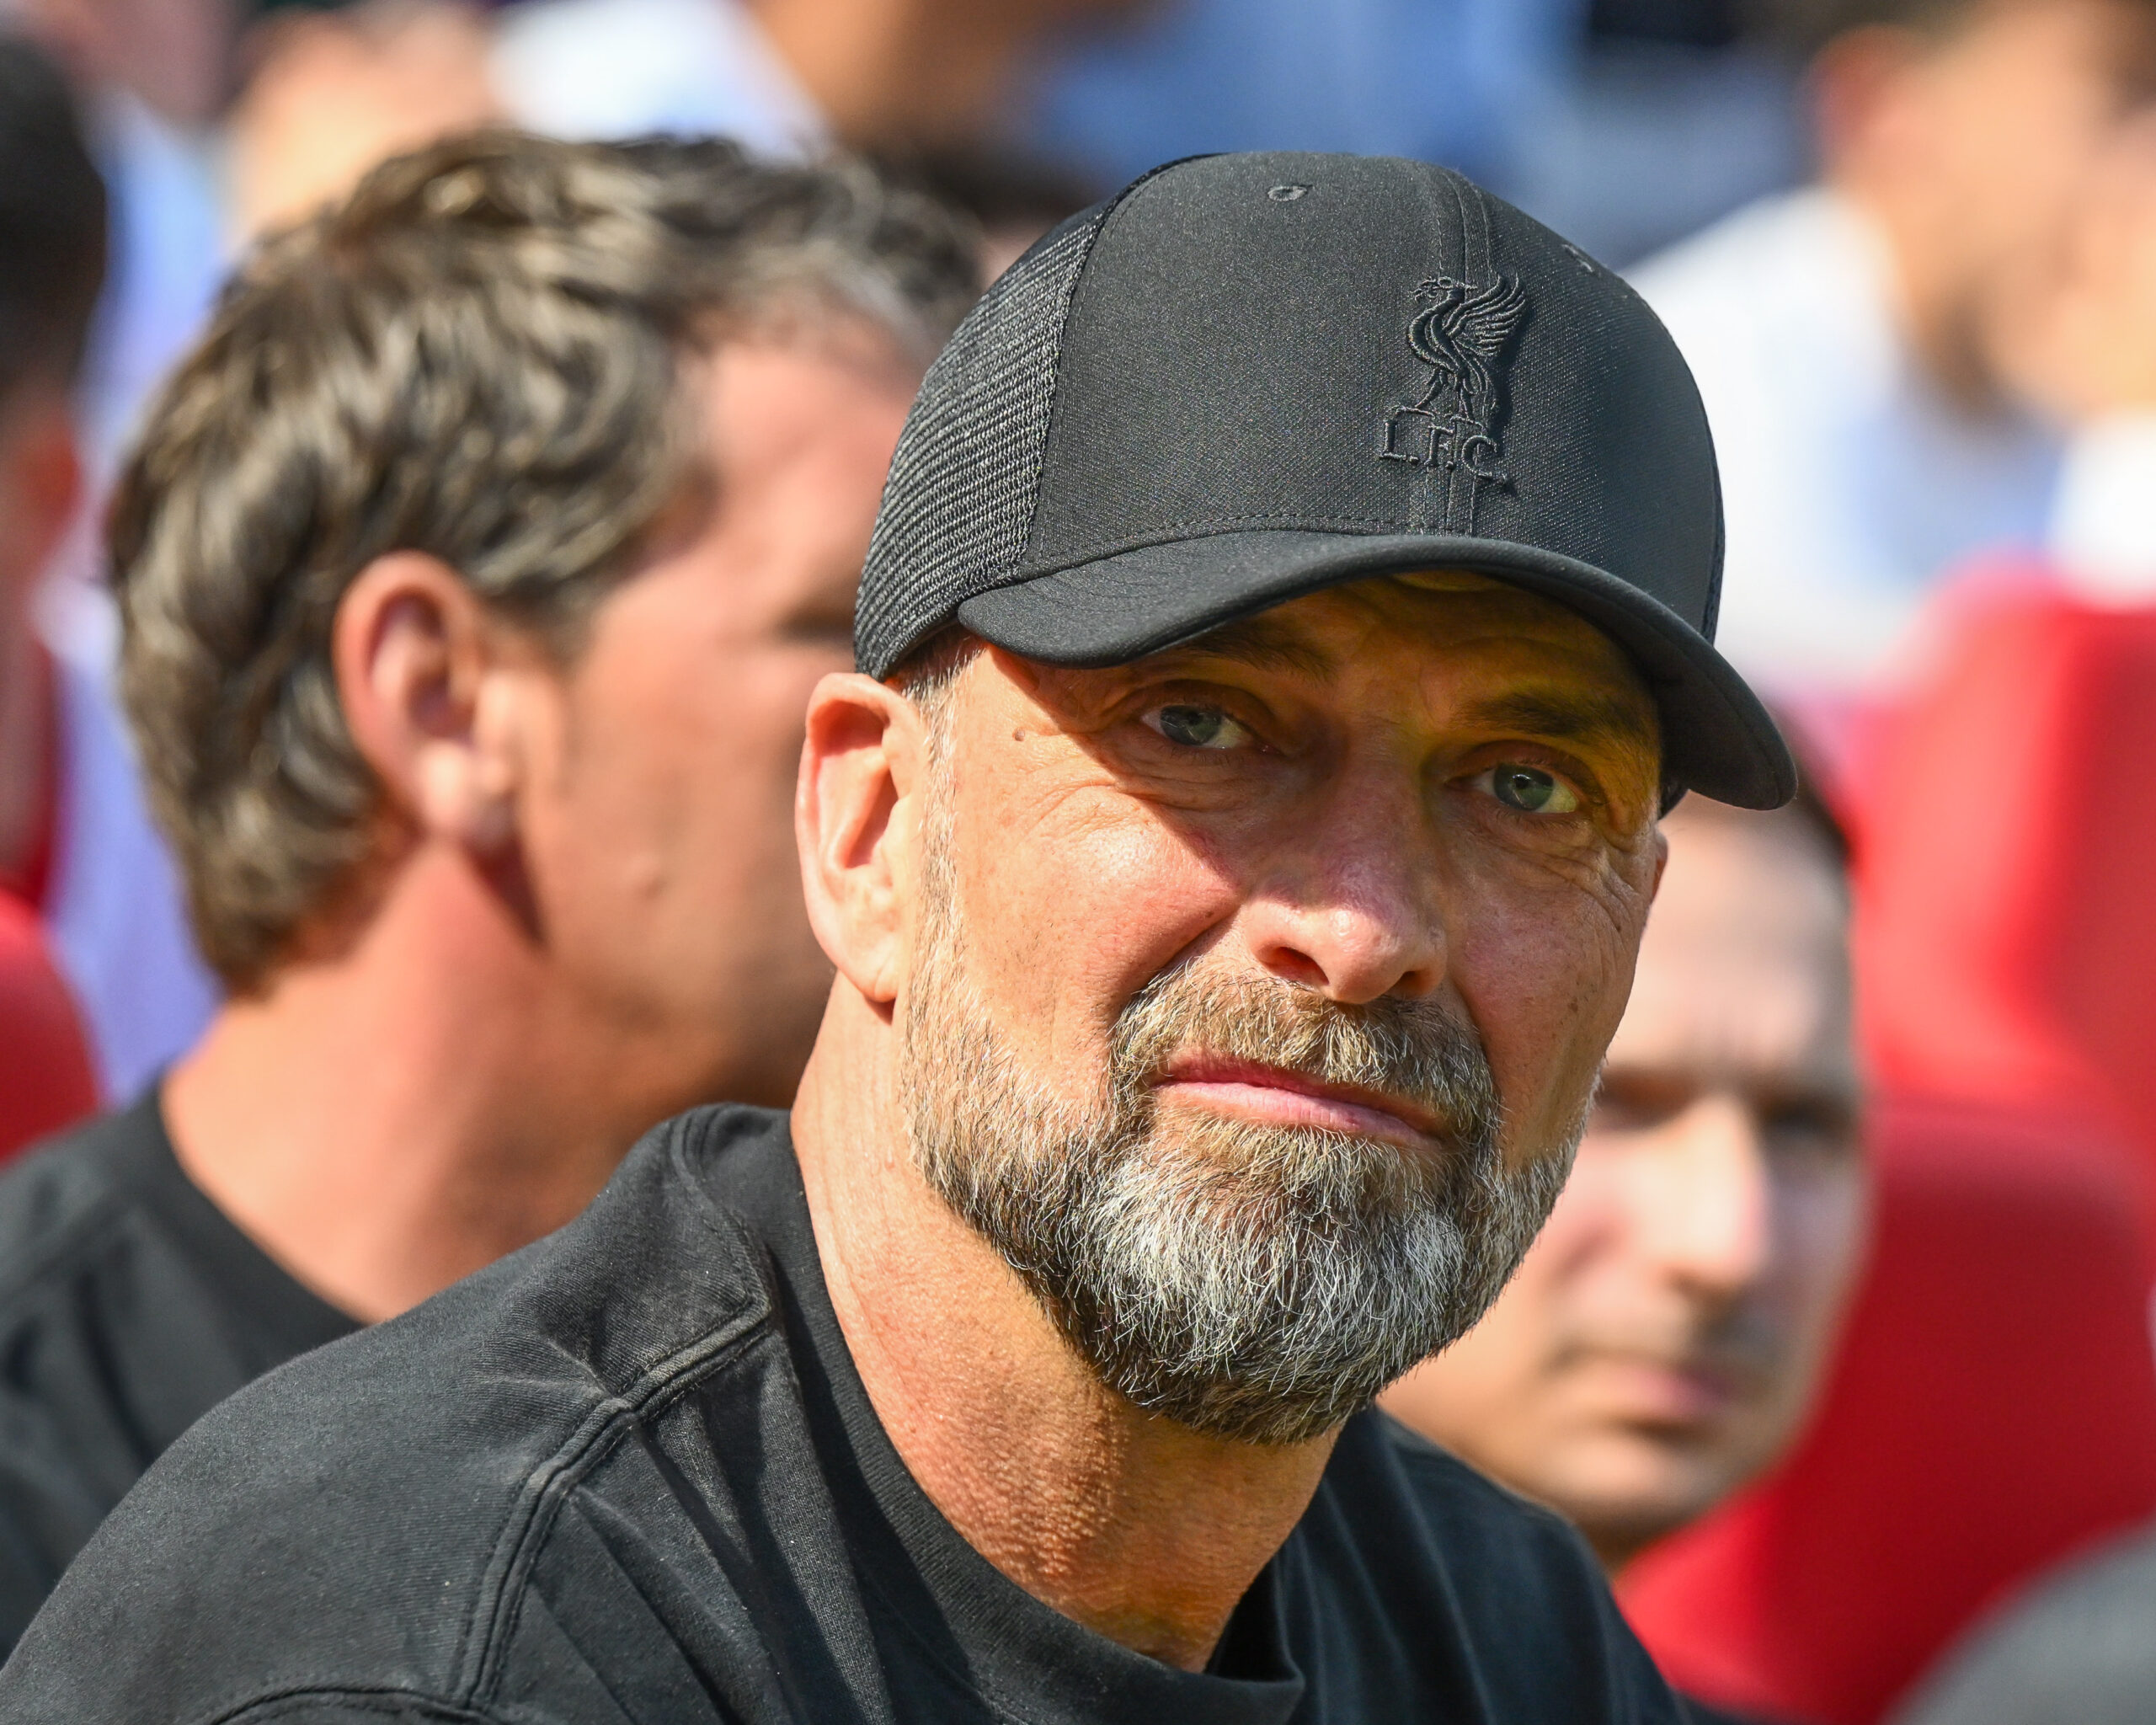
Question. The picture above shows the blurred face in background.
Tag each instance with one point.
(658, 834)
(333, 91)
(1970, 149)
(1664, 1336)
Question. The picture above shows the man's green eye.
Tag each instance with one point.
(1200, 728)
(1532, 790)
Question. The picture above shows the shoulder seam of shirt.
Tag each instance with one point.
(495, 1609)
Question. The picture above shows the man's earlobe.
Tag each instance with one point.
(425, 699)
(857, 820)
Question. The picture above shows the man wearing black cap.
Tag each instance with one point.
(1287, 614)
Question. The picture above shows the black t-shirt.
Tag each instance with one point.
(129, 1307)
(630, 1474)
(1695, 1712)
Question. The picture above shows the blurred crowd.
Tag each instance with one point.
(376, 936)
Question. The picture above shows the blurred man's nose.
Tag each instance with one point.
(1704, 1213)
(1353, 912)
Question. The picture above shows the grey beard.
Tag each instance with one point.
(1255, 1282)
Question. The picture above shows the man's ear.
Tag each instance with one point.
(1860, 89)
(856, 819)
(427, 695)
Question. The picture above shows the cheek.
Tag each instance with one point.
(1544, 964)
(1821, 1231)
(1501, 1386)
(1561, 1267)
(1601, 1192)
(677, 782)
(1073, 900)
(637, 742)
(2022, 156)
(1580, 1267)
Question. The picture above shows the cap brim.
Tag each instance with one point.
(1716, 737)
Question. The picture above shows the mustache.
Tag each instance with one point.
(1741, 1345)
(1416, 1051)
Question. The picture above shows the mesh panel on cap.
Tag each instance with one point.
(968, 470)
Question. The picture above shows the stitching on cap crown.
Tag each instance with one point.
(967, 472)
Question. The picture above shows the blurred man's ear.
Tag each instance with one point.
(430, 696)
(1857, 82)
(41, 483)
(857, 818)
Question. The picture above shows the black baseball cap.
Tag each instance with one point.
(1246, 377)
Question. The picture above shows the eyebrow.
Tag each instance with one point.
(1585, 715)
(1263, 643)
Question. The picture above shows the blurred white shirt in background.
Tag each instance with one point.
(1851, 484)
(113, 907)
(2103, 535)
(170, 256)
(617, 68)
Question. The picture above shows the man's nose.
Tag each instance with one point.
(1707, 1218)
(1356, 913)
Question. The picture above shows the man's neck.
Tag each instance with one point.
(1928, 297)
(1132, 1524)
(387, 1120)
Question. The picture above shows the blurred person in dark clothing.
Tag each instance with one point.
(1857, 342)
(470, 693)
(1662, 1340)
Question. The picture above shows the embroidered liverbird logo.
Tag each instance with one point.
(1459, 332)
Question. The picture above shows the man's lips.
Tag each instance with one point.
(1676, 1384)
(1252, 1091)
(1664, 1392)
